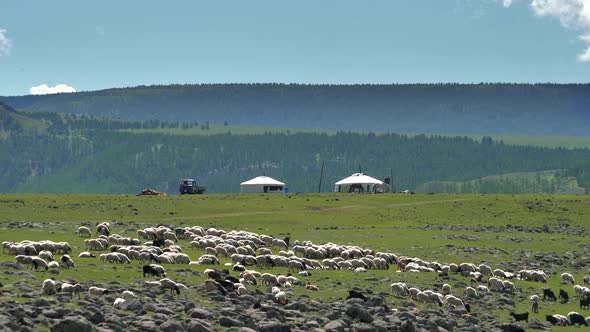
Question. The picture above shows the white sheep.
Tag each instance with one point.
(39, 262)
(281, 297)
(53, 265)
(567, 278)
(269, 279)
(118, 302)
(485, 270)
(49, 286)
(84, 231)
(482, 288)
(128, 295)
(70, 288)
(454, 301)
(561, 320)
(85, 254)
(446, 289)
(471, 292)
(508, 286)
(499, 273)
(170, 285)
(399, 288)
(97, 291)
(495, 284)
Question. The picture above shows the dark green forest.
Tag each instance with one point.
(48, 152)
(484, 109)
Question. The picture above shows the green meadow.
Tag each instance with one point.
(503, 231)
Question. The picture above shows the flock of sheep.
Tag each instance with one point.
(157, 246)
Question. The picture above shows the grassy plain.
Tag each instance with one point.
(503, 231)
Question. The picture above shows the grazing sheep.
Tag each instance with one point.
(103, 228)
(70, 288)
(471, 292)
(67, 261)
(296, 265)
(548, 293)
(281, 297)
(400, 288)
(49, 286)
(509, 286)
(269, 279)
(499, 273)
(86, 254)
(154, 270)
(454, 301)
(39, 262)
(563, 296)
(46, 255)
(84, 231)
(495, 284)
(576, 319)
(446, 289)
(567, 278)
(482, 288)
(485, 270)
(53, 265)
(97, 291)
(118, 302)
(128, 295)
(585, 303)
(519, 317)
(170, 285)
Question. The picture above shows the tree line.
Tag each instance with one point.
(107, 160)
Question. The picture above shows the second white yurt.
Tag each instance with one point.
(262, 184)
(362, 184)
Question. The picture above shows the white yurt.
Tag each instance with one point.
(362, 184)
(262, 184)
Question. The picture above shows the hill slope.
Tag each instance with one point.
(517, 109)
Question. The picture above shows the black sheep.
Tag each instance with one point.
(551, 319)
(585, 303)
(548, 293)
(352, 294)
(563, 296)
(519, 317)
(149, 270)
(576, 319)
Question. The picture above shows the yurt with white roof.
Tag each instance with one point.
(361, 184)
(262, 184)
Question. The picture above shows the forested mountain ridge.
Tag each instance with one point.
(487, 109)
(74, 154)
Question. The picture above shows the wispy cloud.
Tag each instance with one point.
(506, 3)
(5, 43)
(572, 14)
(43, 89)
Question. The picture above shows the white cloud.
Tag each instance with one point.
(5, 43)
(507, 3)
(572, 14)
(43, 89)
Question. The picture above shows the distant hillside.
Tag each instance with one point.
(484, 109)
(78, 154)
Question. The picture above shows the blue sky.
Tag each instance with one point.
(97, 45)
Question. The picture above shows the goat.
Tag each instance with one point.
(352, 294)
(519, 317)
(548, 293)
(585, 303)
(563, 296)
